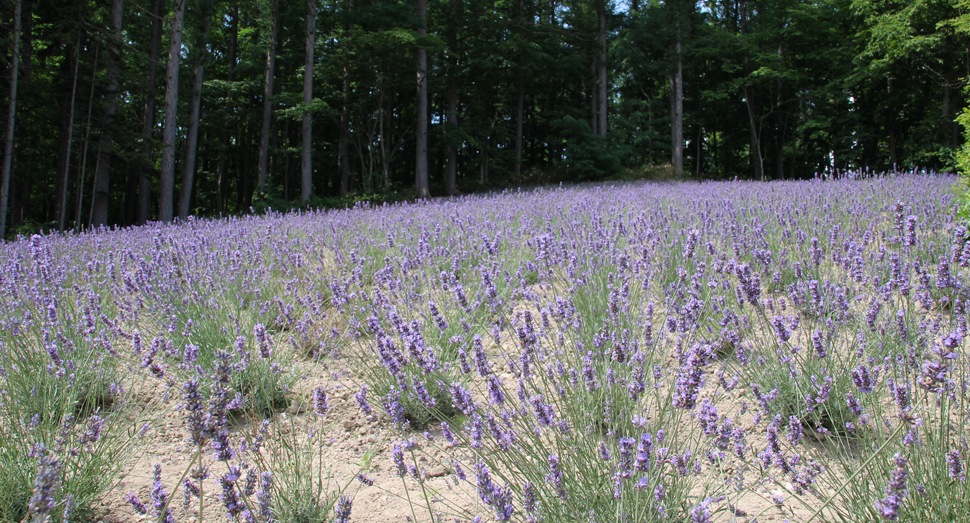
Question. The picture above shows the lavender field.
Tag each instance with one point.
(731, 351)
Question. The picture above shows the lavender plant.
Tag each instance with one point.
(680, 352)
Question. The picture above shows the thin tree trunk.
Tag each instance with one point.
(892, 126)
(699, 149)
(594, 120)
(677, 99)
(146, 170)
(343, 156)
(64, 152)
(84, 154)
(756, 158)
(306, 167)
(603, 73)
(780, 135)
(421, 140)
(951, 126)
(192, 139)
(245, 193)
(451, 128)
(287, 164)
(519, 124)
(99, 206)
(11, 121)
(167, 192)
(223, 180)
(387, 136)
(268, 98)
(22, 179)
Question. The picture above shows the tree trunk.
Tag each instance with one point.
(343, 155)
(306, 167)
(268, 98)
(67, 139)
(594, 120)
(451, 128)
(781, 130)
(757, 161)
(421, 140)
(82, 175)
(146, 170)
(892, 126)
(223, 180)
(11, 121)
(192, 138)
(167, 192)
(603, 73)
(99, 205)
(699, 150)
(519, 124)
(951, 126)
(244, 196)
(22, 179)
(677, 102)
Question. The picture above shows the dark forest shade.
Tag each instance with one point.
(441, 97)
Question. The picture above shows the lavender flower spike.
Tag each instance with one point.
(342, 509)
(888, 507)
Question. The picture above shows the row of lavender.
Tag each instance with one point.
(650, 352)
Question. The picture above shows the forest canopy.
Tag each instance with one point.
(121, 112)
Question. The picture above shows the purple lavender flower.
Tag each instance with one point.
(689, 376)
(398, 455)
(438, 318)
(817, 345)
(781, 330)
(644, 449)
(132, 499)
(361, 398)
(750, 283)
(393, 407)
(707, 416)
(222, 446)
(529, 502)
(264, 497)
(778, 499)
(888, 507)
(544, 412)
(446, 432)
(423, 395)
(483, 480)
(909, 234)
(263, 340)
(342, 510)
(478, 353)
(160, 496)
(46, 483)
(495, 390)
(604, 452)
(954, 465)
(701, 513)
(462, 399)
(93, 432)
(502, 503)
(795, 431)
(555, 477)
(862, 378)
(463, 361)
(321, 404)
